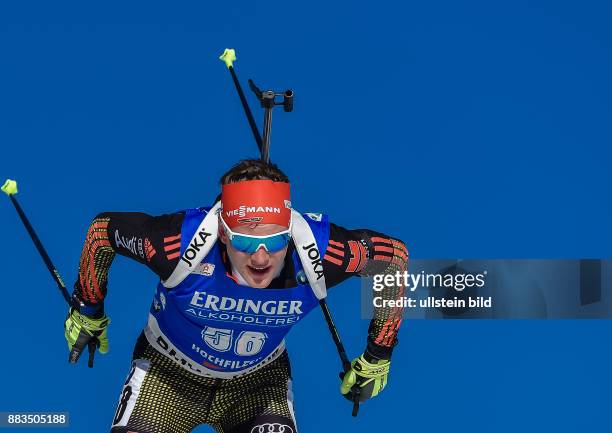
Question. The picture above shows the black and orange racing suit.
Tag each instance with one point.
(171, 399)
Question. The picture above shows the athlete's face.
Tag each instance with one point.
(260, 268)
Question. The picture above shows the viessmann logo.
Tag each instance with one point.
(243, 210)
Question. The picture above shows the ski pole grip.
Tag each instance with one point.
(228, 57)
(9, 187)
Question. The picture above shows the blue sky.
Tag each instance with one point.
(467, 129)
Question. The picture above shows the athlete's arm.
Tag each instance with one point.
(365, 252)
(152, 241)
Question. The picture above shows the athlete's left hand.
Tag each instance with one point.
(369, 374)
(82, 331)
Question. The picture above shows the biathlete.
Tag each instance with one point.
(234, 279)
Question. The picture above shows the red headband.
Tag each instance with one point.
(256, 202)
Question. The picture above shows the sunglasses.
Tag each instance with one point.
(250, 244)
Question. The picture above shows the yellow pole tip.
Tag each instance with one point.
(228, 57)
(9, 187)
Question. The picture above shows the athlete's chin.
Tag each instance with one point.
(260, 284)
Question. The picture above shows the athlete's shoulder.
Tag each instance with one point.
(318, 223)
(360, 252)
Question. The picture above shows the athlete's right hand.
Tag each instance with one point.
(82, 331)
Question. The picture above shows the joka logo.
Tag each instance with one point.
(243, 210)
(192, 250)
(272, 428)
(315, 259)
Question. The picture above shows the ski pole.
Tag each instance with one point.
(268, 102)
(346, 364)
(10, 189)
(229, 56)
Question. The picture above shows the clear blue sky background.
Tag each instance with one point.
(468, 129)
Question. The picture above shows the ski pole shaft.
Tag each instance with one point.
(229, 56)
(39, 246)
(10, 189)
(346, 364)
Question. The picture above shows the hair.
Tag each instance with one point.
(253, 169)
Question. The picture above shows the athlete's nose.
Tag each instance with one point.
(260, 257)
